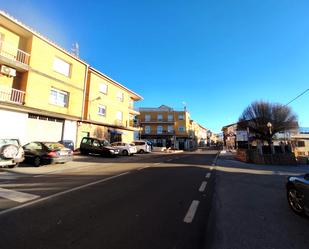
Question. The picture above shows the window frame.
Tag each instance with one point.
(66, 94)
(161, 129)
(106, 91)
(64, 61)
(101, 107)
(121, 99)
(147, 129)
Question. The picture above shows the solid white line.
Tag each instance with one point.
(16, 195)
(203, 186)
(156, 163)
(208, 175)
(144, 167)
(191, 212)
(61, 193)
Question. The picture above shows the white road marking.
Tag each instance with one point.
(168, 160)
(203, 186)
(156, 163)
(191, 212)
(8, 176)
(208, 175)
(61, 193)
(144, 167)
(17, 196)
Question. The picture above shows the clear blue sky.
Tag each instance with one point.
(216, 55)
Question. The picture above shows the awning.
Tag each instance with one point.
(115, 132)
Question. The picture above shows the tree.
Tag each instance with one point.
(265, 119)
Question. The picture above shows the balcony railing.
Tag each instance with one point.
(158, 121)
(11, 52)
(12, 95)
(158, 133)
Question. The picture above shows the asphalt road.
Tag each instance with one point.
(250, 210)
(147, 201)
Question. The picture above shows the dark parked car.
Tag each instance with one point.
(39, 153)
(97, 146)
(68, 144)
(298, 193)
(11, 152)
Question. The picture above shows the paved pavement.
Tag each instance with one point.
(250, 210)
(146, 201)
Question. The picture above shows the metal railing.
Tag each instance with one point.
(158, 121)
(9, 51)
(12, 95)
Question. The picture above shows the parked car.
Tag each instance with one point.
(39, 153)
(68, 144)
(142, 146)
(97, 146)
(125, 149)
(11, 152)
(298, 193)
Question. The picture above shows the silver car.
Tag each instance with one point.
(125, 149)
(11, 152)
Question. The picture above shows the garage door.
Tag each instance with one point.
(41, 128)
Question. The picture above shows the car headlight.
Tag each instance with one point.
(112, 151)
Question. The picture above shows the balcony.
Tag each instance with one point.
(163, 133)
(13, 56)
(12, 95)
(160, 121)
(133, 111)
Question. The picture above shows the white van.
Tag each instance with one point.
(142, 146)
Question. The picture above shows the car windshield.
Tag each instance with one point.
(105, 143)
(132, 144)
(8, 141)
(54, 146)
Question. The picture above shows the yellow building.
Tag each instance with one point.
(166, 127)
(46, 92)
(109, 109)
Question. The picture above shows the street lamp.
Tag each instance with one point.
(269, 125)
(90, 103)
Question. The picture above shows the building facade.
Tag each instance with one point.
(45, 91)
(166, 127)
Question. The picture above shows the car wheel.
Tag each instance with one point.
(142, 151)
(125, 152)
(13, 166)
(295, 200)
(37, 161)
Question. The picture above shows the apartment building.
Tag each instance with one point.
(167, 127)
(47, 93)
(109, 110)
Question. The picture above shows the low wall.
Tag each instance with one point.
(252, 156)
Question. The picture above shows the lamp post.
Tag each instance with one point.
(90, 102)
(269, 125)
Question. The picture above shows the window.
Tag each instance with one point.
(1, 40)
(181, 128)
(147, 129)
(147, 117)
(159, 117)
(180, 117)
(159, 129)
(300, 143)
(170, 128)
(170, 117)
(58, 97)
(62, 67)
(103, 88)
(119, 116)
(102, 110)
(120, 96)
(96, 143)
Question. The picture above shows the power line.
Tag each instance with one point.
(297, 97)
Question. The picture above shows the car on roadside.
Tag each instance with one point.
(142, 146)
(68, 144)
(38, 153)
(102, 147)
(125, 149)
(298, 193)
(11, 152)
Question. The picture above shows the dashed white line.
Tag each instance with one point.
(203, 186)
(208, 175)
(16, 195)
(191, 212)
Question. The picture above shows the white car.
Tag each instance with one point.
(11, 152)
(142, 146)
(125, 149)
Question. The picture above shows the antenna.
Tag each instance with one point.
(184, 105)
(75, 49)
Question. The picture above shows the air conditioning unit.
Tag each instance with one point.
(8, 71)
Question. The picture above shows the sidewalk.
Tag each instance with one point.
(228, 157)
